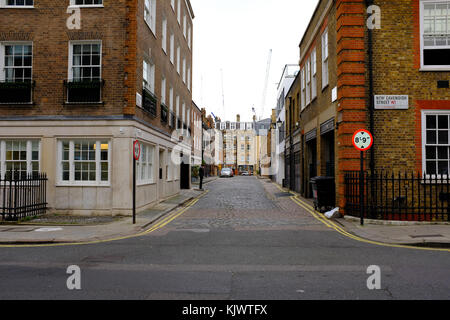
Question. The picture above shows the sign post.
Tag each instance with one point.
(362, 141)
(136, 155)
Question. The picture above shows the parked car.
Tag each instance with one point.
(245, 173)
(226, 172)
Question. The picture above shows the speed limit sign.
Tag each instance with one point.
(362, 140)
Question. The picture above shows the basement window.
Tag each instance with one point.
(435, 35)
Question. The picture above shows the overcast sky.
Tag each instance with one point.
(234, 37)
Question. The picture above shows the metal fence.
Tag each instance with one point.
(22, 195)
(400, 196)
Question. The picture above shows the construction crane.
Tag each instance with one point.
(223, 92)
(263, 102)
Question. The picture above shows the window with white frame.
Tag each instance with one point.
(325, 59)
(188, 112)
(303, 82)
(150, 14)
(189, 78)
(16, 3)
(164, 35)
(19, 156)
(179, 12)
(436, 143)
(189, 38)
(172, 4)
(84, 162)
(178, 108)
(184, 70)
(144, 166)
(233, 126)
(314, 74)
(183, 112)
(163, 90)
(169, 165)
(172, 48)
(185, 26)
(178, 60)
(175, 166)
(171, 99)
(435, 34)
(148, 70)
(85, 61)
(308, 81)
(16, 62)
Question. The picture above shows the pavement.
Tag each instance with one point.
(54, 232)
(426, 234)
(435, 234)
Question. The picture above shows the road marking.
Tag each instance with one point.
(163, 222)
(330, 224)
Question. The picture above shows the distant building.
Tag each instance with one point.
(239, 145)
(278, 159)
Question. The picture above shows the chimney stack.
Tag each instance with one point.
(238, 118)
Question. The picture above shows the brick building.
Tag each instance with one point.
(79, 82)
(239, 145)
(391, 79)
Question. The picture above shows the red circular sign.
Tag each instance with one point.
(136, 150)
(362, 140)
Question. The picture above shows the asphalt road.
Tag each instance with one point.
(243, 240)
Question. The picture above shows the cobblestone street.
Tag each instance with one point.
(244, 239)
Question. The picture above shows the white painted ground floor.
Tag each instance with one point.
(89, 162)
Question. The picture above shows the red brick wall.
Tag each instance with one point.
(352, 93)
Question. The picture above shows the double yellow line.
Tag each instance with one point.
(161, 223)
(330, 224)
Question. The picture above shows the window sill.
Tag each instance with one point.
(16, 7)
(144, 184)
(18, 104)
(86, 6)
(435, 69)
(323, 88)
(66, 103)
(83, 185)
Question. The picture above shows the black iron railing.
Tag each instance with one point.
(400, 196)
(164, 113)
(23, 196)
(16, 92)
(149, 102)
(85, 91)
(173, 120)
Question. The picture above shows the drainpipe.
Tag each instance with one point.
(371, 96)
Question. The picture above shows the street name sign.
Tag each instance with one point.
(393, 102)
